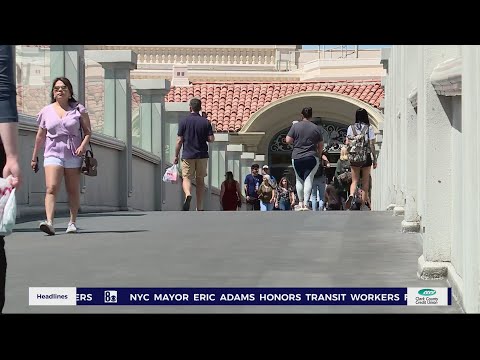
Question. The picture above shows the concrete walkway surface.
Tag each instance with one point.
(217, 249)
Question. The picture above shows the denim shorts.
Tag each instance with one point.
(67, 164)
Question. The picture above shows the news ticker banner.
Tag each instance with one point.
(74, 296)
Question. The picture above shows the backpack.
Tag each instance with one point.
(358, 148)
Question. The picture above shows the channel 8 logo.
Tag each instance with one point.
(110, 296)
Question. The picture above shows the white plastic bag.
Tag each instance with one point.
(171, 174)
(8, 207)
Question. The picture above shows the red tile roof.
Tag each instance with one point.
(230, 105)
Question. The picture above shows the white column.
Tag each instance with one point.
(118, 109)
(438, 169)
(397, 130)
(234, 152)
(421, 180)
(387, 163)
(152, 119)
(411, 221)
(219, 159)
(175, 111)
(470, 176)
(377, 182)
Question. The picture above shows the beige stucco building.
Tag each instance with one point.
(251, 93)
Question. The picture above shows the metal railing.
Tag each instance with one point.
(344, 50)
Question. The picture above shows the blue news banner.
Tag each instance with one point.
(262, 296)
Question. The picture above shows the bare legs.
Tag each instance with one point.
(72, 184)
(365, 171)
(53, 180)
(200, 191)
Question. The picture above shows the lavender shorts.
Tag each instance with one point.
(67, 164)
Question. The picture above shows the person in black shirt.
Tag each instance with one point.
(194, 134)
(9, 137)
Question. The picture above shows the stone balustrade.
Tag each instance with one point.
(200, 55)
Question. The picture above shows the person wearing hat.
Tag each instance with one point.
(266, 171)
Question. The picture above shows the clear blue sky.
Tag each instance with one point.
(315, 47)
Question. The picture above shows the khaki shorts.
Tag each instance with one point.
(194, 168)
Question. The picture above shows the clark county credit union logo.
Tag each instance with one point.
(426, 292)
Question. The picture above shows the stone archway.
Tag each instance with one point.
(278, 115)
(279, 152)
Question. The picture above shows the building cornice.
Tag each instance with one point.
(446, 78)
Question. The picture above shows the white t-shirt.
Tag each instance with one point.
(370, 135)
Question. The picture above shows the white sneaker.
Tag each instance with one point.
(47, 227)
(298, 208)
(71, 228)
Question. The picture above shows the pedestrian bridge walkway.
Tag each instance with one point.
(217, 249)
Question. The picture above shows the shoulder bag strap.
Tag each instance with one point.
(81, 132)
(353, 130)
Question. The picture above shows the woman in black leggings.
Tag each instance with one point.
(307, 141)
(361, 120)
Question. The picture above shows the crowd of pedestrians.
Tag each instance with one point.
(348, 190)
(350, 187)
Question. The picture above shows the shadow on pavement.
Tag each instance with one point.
(58, 231)
(108, 214)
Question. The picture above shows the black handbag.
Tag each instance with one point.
(90, 164)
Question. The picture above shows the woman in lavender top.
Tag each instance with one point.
(59, 129)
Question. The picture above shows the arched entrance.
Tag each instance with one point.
(280, 153)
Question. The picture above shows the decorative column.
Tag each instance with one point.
(219, 158)
(207, 205)
(118, 109)
(470, 176)
(378, 185)
(152, 124)
(386, 165)
(411, 222)
(437, 221)
(234, 152)
(400, 98)
(175, 111)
